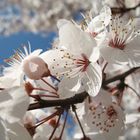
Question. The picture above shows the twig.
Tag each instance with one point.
(48, 118)
(133, 90)
(78, 98)
(81, 127)
(57, 124)
(116, 10)
(119, 77)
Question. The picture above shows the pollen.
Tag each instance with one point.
(121, 33)
(72, 64)
(103, 118)
(111, 112)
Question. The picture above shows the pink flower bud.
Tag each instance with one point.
(35, 68)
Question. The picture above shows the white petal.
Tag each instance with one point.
(17, 132)
(96, 6)
(93, 79)
(61, 63)
(113, 55)
(103, 96)
(99, 121)
(14, 103)
(133, 51)
(94, 55)
(11, 77)
(61, 22)
(43, 131)
(76, 40)
(101, 21)
(69, 87)
(132, 118)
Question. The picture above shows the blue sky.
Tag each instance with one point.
(12, 42)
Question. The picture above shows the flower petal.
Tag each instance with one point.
(69, 87)
(61, 63)
(93, 79)
(101, 21)
(113, 55)
(99, 119)
(75, 40)
(16, 131)
(14, 103)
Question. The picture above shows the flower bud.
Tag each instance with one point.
(35, 68)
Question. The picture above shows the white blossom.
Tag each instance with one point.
(76, 56)
(104, 116)
(14, 103)
(14, 74)
(121, 44)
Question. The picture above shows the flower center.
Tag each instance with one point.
(93, 34)
(117, 43)
(72, 65)
(104, 118)
(83, 63)
(111, 112)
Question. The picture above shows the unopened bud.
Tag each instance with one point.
(35, 68)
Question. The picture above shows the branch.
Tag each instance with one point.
(119, 77)
(78, 98)
(116, 10)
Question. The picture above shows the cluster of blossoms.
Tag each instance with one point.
(73, 78)
(15, 15)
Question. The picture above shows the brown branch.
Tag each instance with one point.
(78, 98)
(116, 10)
(119, 77)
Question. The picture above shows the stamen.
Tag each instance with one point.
(83, 63)
(73, 65)
(121, 33)
(117, 43)
(29, 89)
(104, 117)
(111, 112)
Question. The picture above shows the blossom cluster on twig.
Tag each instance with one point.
(91, 74)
